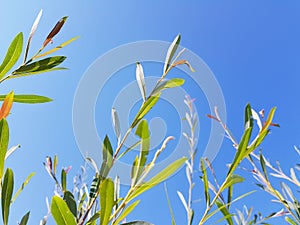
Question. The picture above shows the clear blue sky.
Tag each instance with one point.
(252, 47)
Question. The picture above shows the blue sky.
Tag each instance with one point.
(252, 47)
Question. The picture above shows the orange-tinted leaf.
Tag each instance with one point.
(6, 105)
(182, 62)
(55, 30)
(213, 117)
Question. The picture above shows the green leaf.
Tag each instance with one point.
(93, 219)
(56, 48)
(4, 138)
(248, 117)
(61, 212)
(40, 66)
(106, 200)
(140, 78)
(143, 132)
(137, 223)
(6, 194)
(55, 162)
(290, 220)
(70, 200)
(36, 72)
(205, 182)
(269, 120)
(169, 205)
(107, 152)
(30, 99)
(94, 187)
(171, 52)
(172, 83)
(158, 178)
(24, 184)
(225, 212)
(126, 212)
(233, 179)
(63, 180)
(263, 165)
(25, 219)
(12, 55)
(146, 107)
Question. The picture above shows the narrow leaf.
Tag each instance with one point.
(4, 138)
(116, 124)
(107, 152)
(61, 212)
(33, 29)
(93, 163)
(29, 99)
(12, 55)
(70, 200)
(172, 83)
(25, 219)
(158, 178)
(6, 105)
(6, 194)
(183, 62)
(225, 212)
(106, 200)
(63, 177)
(205, 182)
(263, 165)
(290, 220)
(233, 179)
(24, 184)
(137, 223)
(126, 212)
(54, 31)
(171, 51)
(141, 80)
(183, 201)
(11, 151)
(169, 205)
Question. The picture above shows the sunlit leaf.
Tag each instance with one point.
(61, 212)
(169, 205)
(171, 51)
(107, 154)
(116, 124)
(70, 200)
(158, 178)
(56, 48)
(225, 212)
(146, 107)
(12, 55)
(24, 184)
(126, 212)
(183, 62)
(174, 82)
(63, 178)
(205, 182)
(4, 139)
(25, 219)
(233, 179)
(263, 165)
(106, 200)
(140, 78)
(40, 66)
(54, 31)
(29, 99)
(290, 221)
(93, 219)
(6, 194)
(33, 29)
(6, 105)
(11, 151)
(93, 163)
(137, 223)
(183, 201)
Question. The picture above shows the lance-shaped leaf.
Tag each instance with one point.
(143, 132)
(54, 31)
(29, 99)
(24, 184)
(11, 151)
(63, 178)
(146, 107)
(126, 212)
(61, 212)
(56, 48)
(137, 223)
(107, 154)
(4, 139)
(25, 219)
(171, 51)
(12, 55)
(33, 29)
(106, 200)
(158, 178)
(93, 219)
(183, 201)
(70, 200)
(169, 205)
(233, 179)
(140, 78)
(172, 83)
(205, 182)
(6, 105)
(225, 212)
(183, 62)
(40, 66)
(6, 194)
(116, 124)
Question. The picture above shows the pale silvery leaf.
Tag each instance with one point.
(182, 199)
(116, 124)
(171, 51)
(141, 80)
(257, 119)
(33, 29)
(11, 150)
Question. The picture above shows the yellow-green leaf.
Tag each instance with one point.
(106, 200)
(61, 212)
